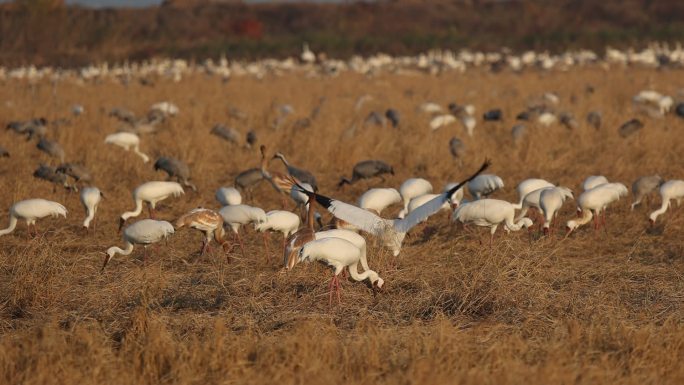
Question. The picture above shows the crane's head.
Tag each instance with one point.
(579, 211)
(108, 255)
(570, 227)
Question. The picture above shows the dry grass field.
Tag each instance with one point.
(594, 308)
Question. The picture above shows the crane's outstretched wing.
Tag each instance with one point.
(363, 219)
(432, 206)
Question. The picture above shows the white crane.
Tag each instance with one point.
(238, 215)
(533, 200)
(144, 232)
(30, 210)
(90, 198)
(593, 201)
(550, 201)
(378, 199)
(490, 213)
(338, 253)
(593, 181)
(457, 197)
(441, 121)
(527, 186)
(280, 221)
(228, 196)
(484, 185)
(672, 189)
(390, 231)
(207, 221)
(152, 193)
(128, 141)
(307, 56)
(412, 188)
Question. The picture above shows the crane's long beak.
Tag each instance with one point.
(567, 234)
(106, 260)
(121, 223)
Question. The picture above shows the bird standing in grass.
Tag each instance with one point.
(144, 232)
(152, 193)
(128, 141)
(672, 189)
(175, 168)
(30, 210)
(209, 222)
(90, 198)
(490, 213)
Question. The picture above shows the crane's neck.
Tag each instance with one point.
(134, 213)
(587, 215)
(144, 157)
(282, 158)
(89, 217)
(661, 210)
(354, 272)
(310, 213)
(112, 251)
(11, 226)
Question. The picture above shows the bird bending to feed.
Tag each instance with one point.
(298, 173)
(281, 221)
(248, 179)
(490, 213)
(593, 181)
(90, 198)
(593, 201)
(128, 141)
(527, 186)
(550, 201)
(30, 210)
(51, 148)
(175, 168)
(390, 231)
(209, 222)
(238, 215)
(484, 185)
(338, 253)
(411, 188)
(143, 232)
(367, 169)
(378, 199)
(151, 192)
(643, 186)
(51, 175)
(76, 171)
(228, 196)
(672, 189)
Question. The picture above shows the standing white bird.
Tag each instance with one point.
(490, 213)
(280, 221)
(550, 201)
(338, 253)
(378, 199)
(30, 210)
(412, 188)
(238, 215)
(151, 192)
(390, 231)
(484, 185)
(457, 197)
(209, 222)
(144, 232)
(672, 189)
(593, 201)
(127, 141)
(228, 196)
(593, 181)
(527, 186)
(441, 121)
(307, 56)
(90, 198)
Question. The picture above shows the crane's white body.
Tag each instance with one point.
(30, 210)
(144, 232)
(591, 202)
(484, 185)
(457, 197)
(90, 198)
(673, 189)
(441, 121)
(356, 239)
(412, 188)
(378, 199)
(238, 215)
(228, 196)
(551, 200)
(338, 253)
(527, 186)
(281, 221)
(594, 181)
(490, 213)
(128, 141)
(152, 193)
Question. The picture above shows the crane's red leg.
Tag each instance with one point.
(266, 238)
(242, 246)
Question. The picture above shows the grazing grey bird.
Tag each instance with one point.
(35, 130)
(122, 114)
(375, 118)
(247, 179)
(23, 127)
(594, 119)
(236, 113)
(367, 169)
(251, 138)
(518, 132)
(4, 153)
(644, 186)
(175, 168)
(569, 121)
(298, 173)
(393, 116)
(525, 115)
(77, 110)
(679, 110)
(457, 149)
(229, 134)
(493, 115)
(51, 175)
(76, 171)
(630, 127)
(51, 148)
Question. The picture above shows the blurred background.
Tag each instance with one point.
(79, 32)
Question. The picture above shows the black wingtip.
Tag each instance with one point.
(485, 165)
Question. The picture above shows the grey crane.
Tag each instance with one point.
(375, 118)
(594, 119)
(679, 110)
(50, 174)
(122, 114)
(175, 168)
(300, 174)
(367, 169)
(457, 149)
(630, 127)
(569, 121)
(251, 138)
(644, 186)
(51, 148)
(4, 153)
(518, 132)
(248, 179)
(393, 116)
(493, 115)
(76, 171)
(227, 133)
